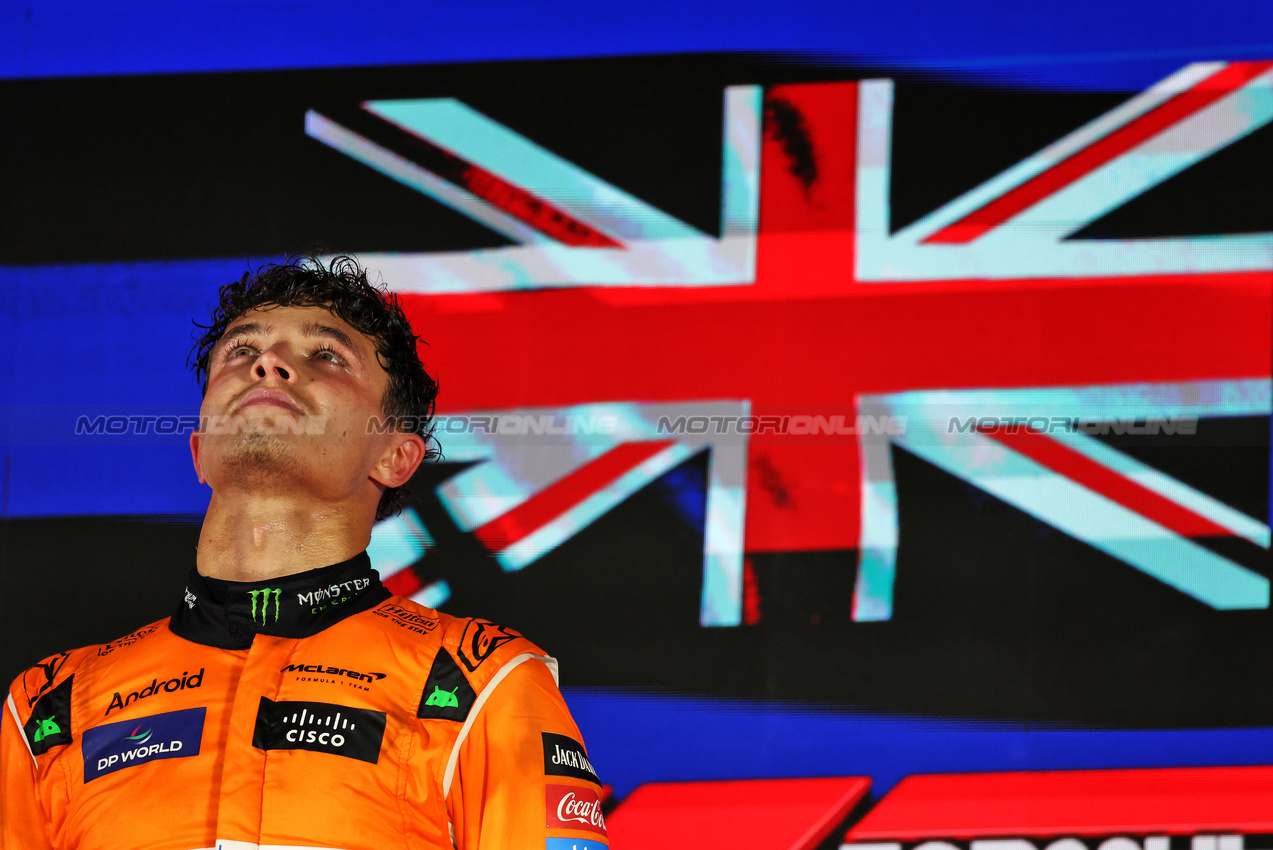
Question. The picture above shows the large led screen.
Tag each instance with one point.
(822, 419)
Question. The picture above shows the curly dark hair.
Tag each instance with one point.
(341, 287)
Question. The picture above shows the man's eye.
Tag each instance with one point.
(328, 354)
(239, 350)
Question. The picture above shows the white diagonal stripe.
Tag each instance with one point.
(472, 136)
(422, 180)
(1167, 487)
(1030, 167)
(480, 702)
(13, 709)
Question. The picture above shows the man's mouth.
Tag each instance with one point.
(265, 397)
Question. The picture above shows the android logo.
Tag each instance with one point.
(49, 727)
(443, 699)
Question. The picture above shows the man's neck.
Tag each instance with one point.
(252, 538)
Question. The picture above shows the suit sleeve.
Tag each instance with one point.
(504, 792)
(22, 822)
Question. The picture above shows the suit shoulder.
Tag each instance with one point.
(408, 620)
(52, 673)
(473, 642)
(130, 640)
(482, 647)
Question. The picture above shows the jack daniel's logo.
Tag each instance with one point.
(564, 756)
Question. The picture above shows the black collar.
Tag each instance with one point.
(228, 614)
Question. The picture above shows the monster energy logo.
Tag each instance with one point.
(264, 596)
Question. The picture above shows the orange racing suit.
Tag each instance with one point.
(311, 711)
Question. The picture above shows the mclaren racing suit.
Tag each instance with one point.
(311, 711)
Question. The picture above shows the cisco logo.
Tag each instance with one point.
(319, 727)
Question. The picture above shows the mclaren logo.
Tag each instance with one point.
(331, 673)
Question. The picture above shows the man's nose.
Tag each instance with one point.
(273, 363)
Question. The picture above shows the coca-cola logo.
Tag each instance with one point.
(572, 807)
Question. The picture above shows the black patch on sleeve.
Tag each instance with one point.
(564, 756)
(447, 694)
(50, 668)
(50, 722)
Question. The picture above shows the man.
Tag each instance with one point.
(291, 700)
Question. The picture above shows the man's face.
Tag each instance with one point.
(291, 391)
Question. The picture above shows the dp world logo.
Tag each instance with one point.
(261, 601)
(139, 737)
(129, 743)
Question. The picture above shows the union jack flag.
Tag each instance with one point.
(988, 309)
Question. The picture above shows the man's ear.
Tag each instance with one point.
(400, 460)
(195, 446)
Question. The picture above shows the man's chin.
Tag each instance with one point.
(260, 459)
